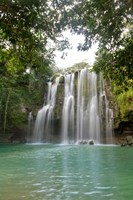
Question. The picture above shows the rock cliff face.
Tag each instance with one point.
(124, 133)
(125, 128)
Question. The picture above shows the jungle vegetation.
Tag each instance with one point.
(27, 29)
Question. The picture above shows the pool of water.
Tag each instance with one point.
(57, 172)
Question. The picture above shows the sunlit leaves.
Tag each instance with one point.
(125, 102)
(118, 65)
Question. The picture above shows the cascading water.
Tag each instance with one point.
(88, 123)
(93, 116)
(30, 125)
(93, 109)
(68, 110)
(43, 125)
(85, 111)
(82, 76)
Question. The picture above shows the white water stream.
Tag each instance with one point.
(43, 124)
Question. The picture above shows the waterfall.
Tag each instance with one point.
(87, 123)
(30, 125)
(93, 116)
(68, 110)
(43, 124)
(81, 90)
(84, 112)
(93, 109)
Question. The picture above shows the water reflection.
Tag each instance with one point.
(86, 176)
(52, 172)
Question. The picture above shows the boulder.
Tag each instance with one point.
(91, 142)
(129, 140)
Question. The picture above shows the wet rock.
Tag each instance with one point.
(91, 142)
(83, 142)
(123, 145)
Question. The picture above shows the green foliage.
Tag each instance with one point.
(103, 21)
(125, 103)
(118, 65)
(26, 27)
(17, 97)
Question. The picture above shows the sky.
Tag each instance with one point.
(73, 55)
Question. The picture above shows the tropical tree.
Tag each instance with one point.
(117, 65)
(104, 21)
(26, 29)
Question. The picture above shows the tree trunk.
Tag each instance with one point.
(6, 108)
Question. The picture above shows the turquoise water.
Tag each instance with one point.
(55, 172)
